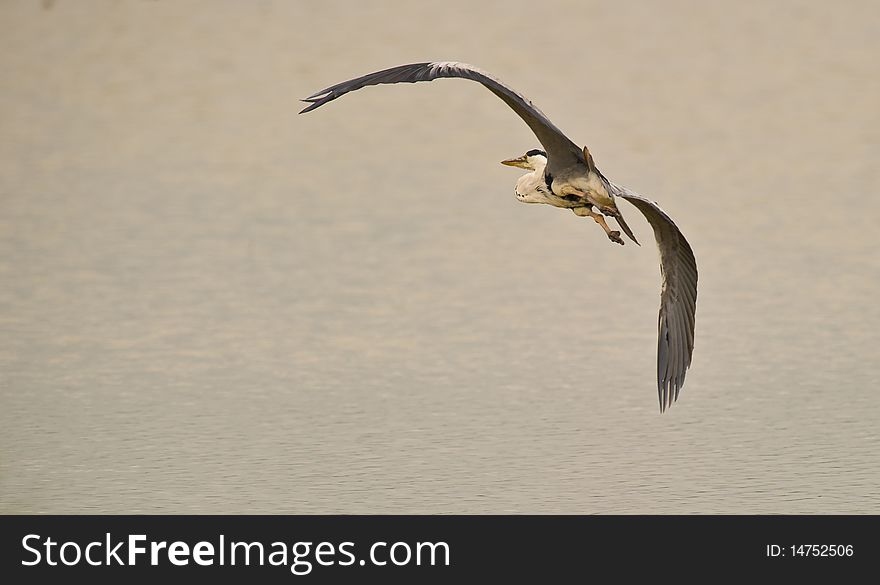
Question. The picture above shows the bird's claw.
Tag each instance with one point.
(614, 236)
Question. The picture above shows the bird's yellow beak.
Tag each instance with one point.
(521, 162)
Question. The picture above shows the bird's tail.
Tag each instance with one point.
(618, 217)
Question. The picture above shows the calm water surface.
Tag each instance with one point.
(211, 304)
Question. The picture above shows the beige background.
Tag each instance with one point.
(211, 304)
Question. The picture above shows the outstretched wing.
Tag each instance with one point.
(562, 153)
(678, 298)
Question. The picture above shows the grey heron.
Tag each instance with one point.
(564, 175)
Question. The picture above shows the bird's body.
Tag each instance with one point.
(569, 192)
(565, 175)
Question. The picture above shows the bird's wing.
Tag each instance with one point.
(562, 153)
(678, 298)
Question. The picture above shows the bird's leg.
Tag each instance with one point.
(607, 210)
(613, 235)
(612, 211)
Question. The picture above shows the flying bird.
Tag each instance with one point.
(565, 175)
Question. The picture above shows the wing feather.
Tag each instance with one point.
(678, 298)
(562, 153)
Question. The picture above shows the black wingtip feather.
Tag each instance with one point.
(317, 94)
(312, 105)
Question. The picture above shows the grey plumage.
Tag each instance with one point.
(562, 152)
(678, 297)
(569, 169)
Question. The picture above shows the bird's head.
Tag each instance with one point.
(531, 161)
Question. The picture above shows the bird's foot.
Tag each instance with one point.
(613, 235)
